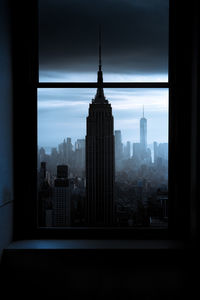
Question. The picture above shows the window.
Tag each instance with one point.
(183, 120)
(111, 171)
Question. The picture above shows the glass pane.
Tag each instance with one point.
(134, 40)
(103, 157)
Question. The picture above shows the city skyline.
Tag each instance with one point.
(134, 187)
(48, 150)
(64, 115)
(141, 184)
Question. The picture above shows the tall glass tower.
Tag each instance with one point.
(143, 132)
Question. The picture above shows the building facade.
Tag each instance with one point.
(100, 159)
(61, 197)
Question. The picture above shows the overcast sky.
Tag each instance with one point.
(134, 39)
(134, 48)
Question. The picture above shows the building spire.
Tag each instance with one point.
(100, 98)
(99, 47)
(100, 74)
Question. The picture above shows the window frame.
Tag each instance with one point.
(25, 212)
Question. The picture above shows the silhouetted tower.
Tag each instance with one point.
(143, 132)
(100, 157)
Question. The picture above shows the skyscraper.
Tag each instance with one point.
(137, 151)
(127, 150)
(61, 197)
(143, 132)
(100, 158)
(118, 145)
(65, 150)
(161, 153)
(80, 154)
(44, 196)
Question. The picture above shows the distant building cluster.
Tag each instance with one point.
(140, 194)
(65, 154)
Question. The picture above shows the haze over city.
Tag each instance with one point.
(62, 113)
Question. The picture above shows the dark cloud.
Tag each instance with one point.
(134, 35)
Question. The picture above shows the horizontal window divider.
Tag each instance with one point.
(105, 85)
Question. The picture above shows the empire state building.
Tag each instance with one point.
(100, 170)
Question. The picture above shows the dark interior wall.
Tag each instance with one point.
(184, 120)
(6, 174)
(24, 67)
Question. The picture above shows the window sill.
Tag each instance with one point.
(95, 245)
(57, 267)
